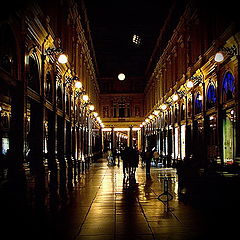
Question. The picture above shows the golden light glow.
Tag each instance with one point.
(121, 76)
(175, 97)
(62, 58)
(189, 84)
(156, 112)
(85, 98)
(91, 107)
(78, 84)
(95, 114)
(219, 57)
(151, 116)
(121, 129)
(164, 107)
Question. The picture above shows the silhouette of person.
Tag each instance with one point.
(147, 158)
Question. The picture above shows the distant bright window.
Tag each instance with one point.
(136, 40)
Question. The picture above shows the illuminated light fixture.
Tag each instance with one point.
(164, 107)
(175, 97)
(95, 114)
(156, 112)
(78, 84)
(232, 51)
(91, 107)
(121, 76)
(98, 118)
(147, 120)
(136, 39)
(62, 58)
(85, 98)
(151, 116)
(219, 57)
(211, 117)
(141, 125)
(189, 84)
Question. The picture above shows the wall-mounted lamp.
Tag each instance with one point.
(151, 116)
(95, 114)
(189, 84)
(91, 107)
(156, 112)
(62, 58)
(164, 106)
(175, 97)
(232, 51)
(78, 85)
(85, 98)
(121, 76)
(69, 80)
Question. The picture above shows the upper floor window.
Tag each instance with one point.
(228, 86)
(198, 103)
(211, 96)
(33, 74)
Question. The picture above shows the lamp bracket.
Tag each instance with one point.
(53, 51)
(233, 51)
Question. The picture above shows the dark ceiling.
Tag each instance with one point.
(113, 24)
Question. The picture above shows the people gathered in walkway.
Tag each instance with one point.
(130, 159)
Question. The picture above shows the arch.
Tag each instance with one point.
(228, 86)
(211, 96)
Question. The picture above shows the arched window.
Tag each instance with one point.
(211, 96)
(33, 74)
(198, 103)
(228, 86)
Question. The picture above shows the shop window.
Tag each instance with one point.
(182, 112)
(67, 104)
(59, 97)
(175, 113)
(189, 109)
(211, 96)
(198, 103)
(228, 86)
(49, 86)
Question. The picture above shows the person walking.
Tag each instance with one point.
(125, 158)
(148, 155)
(156, 157)
(109, 156)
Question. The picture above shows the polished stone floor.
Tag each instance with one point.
(102, 205)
